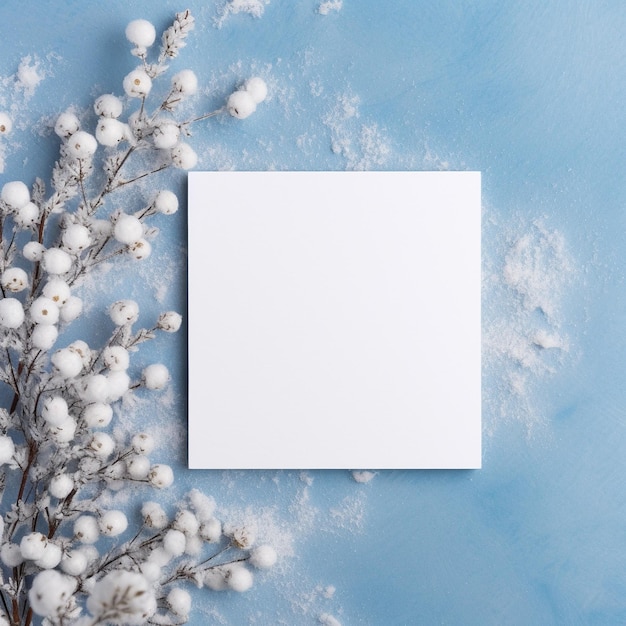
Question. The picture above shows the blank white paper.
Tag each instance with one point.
(334, 320)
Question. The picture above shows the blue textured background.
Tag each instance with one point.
(531, 95)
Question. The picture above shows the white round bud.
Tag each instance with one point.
(81, 145)
(127, 229)
(108, 105)
(240, 104)
(102, 445)
(113, 523)
(185, 83)
(143, 443)
(44, 336)
(15, 194)
(155, 376)
(72, 308)
(154, 516)
(138, 467)
(67, 363)
(161, 475)
(116, 358)
(174, 542)
(257, 88)
(61, 486)
(137, 84)
(141, 33)
(170, 321)
(140, 249)
(44, 311)
(86, 529)
(166, 202)
(184, 156)
(11, 313)
(95, 388)
(97, 415)
(64, 433)
(166, 135)
(6, 125)
(57, 290)
(55, 410)
(239, 578)
(111, 132)
(11, 555)
(179, 602)
(14, 279)
(187, 523)
(82, 349)
(124, 312)
(7, 449)
(27, 215)
(33, 251)
(56, 261)
(119, 384)
(76, 238)
(51, 556)
(66, 125)
(74, 562)
(32, 546)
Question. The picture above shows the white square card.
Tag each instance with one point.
(334, 320)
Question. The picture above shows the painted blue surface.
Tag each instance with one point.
(533, 96)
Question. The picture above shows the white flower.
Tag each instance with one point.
(50, 593)
(56, 261)
(263, 557)
(166, 202)
(43, 336)
(215, 578)
(64, 432)
(152, 571)
(174, 542)
(204, 505)
(110, 132)
(241, 536)
(27, 215)
(76, 238)
(184, 156)
(166, 135)
(187, 523)
(238, 578)
(33, 251)
(102, 445)
(124, 312)
(211, 530)
(32, 546)
(169, 321)
(74, 562)
(57, 290)
(154, 516)
(97, 415)
(155, 376)
(143, 443)
(116, 358)
(138, 467)
(108, 105)
(241, 104)
(185, 83)
(66, 125)
(122, 597)
(44, 311)
(86, 529)
(72, 308)
(161, 475)
(61, 486)
(179, 602)
(6, 125)
(81, 145)
(55, 410)
(15, 194)
(95, 388)
(113, 523)
(11, 313)
(140, 249)
(51, 556)
(7, 449)
(119, 383)
(257, 88)
(141, 33)
(11, 555)
(127, 229)
(137, 84)
(14, 279)
(68, 363)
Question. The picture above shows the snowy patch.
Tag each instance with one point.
(363, 476)
(255, 8)
(329, 6)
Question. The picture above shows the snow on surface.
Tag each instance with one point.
(255, 8)
(329, 5)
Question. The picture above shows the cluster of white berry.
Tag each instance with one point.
(61, 544)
